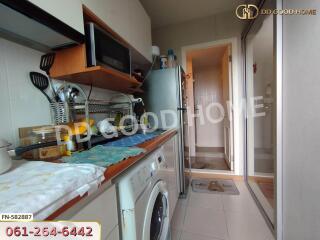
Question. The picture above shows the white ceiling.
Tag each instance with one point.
(167, 12)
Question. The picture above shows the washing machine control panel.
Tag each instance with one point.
(142, 177)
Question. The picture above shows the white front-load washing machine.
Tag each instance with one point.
(143, 202)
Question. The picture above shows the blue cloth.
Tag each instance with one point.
(133, 140)
(103, 156)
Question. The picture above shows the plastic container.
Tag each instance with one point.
(171, 59)
(163, 62)
(42, 134)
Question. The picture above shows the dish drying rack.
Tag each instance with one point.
(66, 112)
(110, 108)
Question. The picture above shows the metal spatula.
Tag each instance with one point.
(46, 63)
(41, 82)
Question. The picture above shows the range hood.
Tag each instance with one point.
(27, 24)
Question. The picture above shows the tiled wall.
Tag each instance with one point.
(21, 104)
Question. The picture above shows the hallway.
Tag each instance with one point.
(219, 217)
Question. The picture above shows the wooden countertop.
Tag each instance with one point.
(116, 169)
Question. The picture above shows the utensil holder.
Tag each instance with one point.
(64, 112)
(60, 112)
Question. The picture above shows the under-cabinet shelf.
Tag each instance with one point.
(102, 77)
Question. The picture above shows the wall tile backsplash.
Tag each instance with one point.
(21, 104)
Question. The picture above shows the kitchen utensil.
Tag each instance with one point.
(41, 82)
(105, 126)
(71, 93)
(74, 93)
(72, 100)
(139, 109)
(5, 160)
(60, 112)
(46, 63)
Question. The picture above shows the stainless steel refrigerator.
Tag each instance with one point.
(165, 91)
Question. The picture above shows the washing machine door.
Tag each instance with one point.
(156, 223)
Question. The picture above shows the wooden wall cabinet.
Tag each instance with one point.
(70, 65)
(128, 22)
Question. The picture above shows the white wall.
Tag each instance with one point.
(208, 89)
(207, 30)
(220, 26)
(21, 104)
(301, 123)
(196, 34)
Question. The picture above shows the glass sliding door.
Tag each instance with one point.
(260, 86)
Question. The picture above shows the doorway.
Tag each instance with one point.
(210, 114)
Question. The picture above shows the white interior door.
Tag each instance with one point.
(228, 100)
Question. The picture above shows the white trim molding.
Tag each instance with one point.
(237, 96)
(279, 164)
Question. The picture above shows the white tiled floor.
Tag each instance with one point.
(219, 217)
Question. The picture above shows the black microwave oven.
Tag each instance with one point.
(103, 49)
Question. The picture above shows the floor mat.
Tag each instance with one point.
(212, 163)
(219, 186)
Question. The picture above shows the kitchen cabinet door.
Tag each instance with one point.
(128, 19)
(114, 235)
(170, 151)
(69, 12)
(103, 209)
(115, 13)
(140, 31)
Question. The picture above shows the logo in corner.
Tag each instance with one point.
(247, 11)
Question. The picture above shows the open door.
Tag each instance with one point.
(210, 100)
(227, 100)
